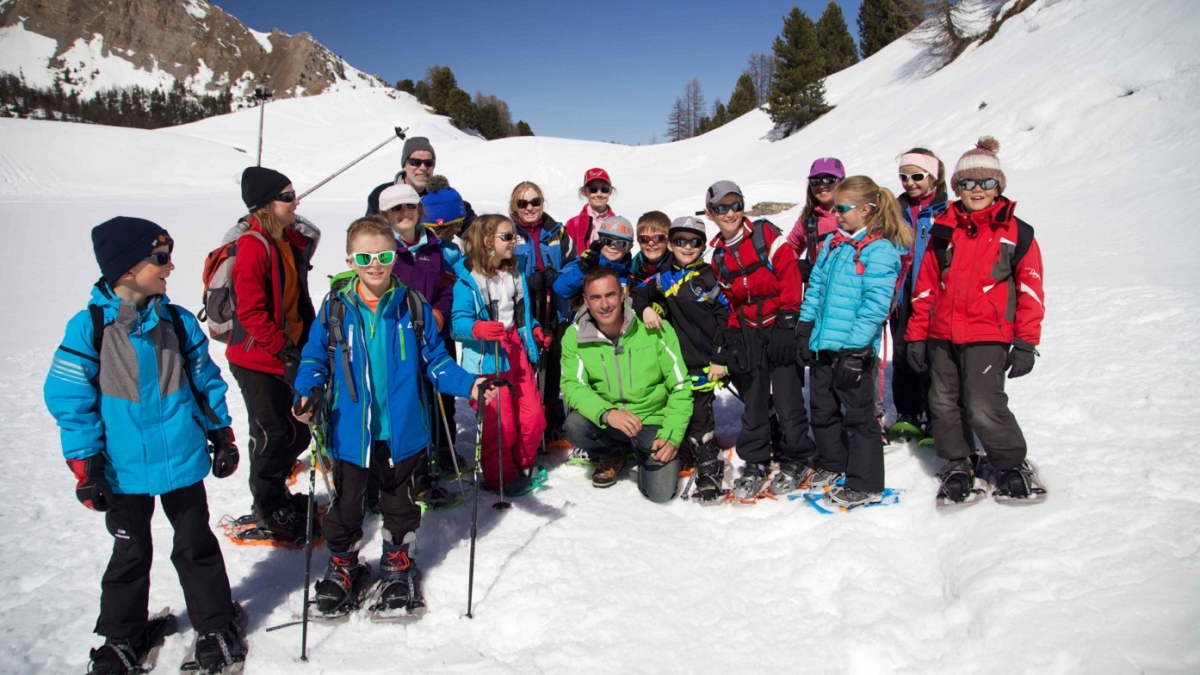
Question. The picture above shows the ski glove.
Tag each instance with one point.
(804, 354)
(914, 353)
(224, 452)
(781, 345)
(92, 489)
(488, 330)
(541, 338)
(291, 361)
(543, 280)
(589, 258)
(1020, 358)
(734, 348)
(852, 366)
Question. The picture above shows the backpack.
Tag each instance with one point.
(219, 307)
(759, 239)
(97, 314)
(333, 317)
(939, 239)
(859, 245)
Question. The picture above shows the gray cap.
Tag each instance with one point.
(719, 189)
(416, 144)
(687, 225)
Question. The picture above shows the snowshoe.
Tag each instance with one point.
(708, 475)
(139, 654)
(905, 430)
(437, 498)
(286, 528)
(791, 477)
(959, 487)
(847, 498)
(1018, 486)
(556, 439)
(400, 599)
(822, 502)
(221, 652)
(823, 479)
(580, 457)
(343, 589)
(752, 484)
(298, 468)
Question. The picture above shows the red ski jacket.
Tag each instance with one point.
(755, 288)
(580, 228)
(257, 275)
(980, 296)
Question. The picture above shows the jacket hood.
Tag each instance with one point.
(590, 332)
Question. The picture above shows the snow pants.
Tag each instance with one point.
(276, 438)
(522, 417)
(844, 423)
(551, 364)
(196, 555)
(657, 481)
(342, 524)
(910, 389)
(756, 387)
(974, 372)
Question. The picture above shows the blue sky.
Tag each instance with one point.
(606, 71)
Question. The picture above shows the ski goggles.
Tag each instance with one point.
(644, 239)
(968, 184)
(823, 180)
(687, 242)
(914, 177)
(615, 243)
(526, 203)
(365, 259)
(593, 189)
(285, 197)
(722, 209)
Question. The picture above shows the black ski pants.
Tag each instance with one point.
(551, 363)
(703, 422)
(786, 383)
(276, 439)
(845, 426)
(196, 555)
(910, 389)
(974, 372)
(342, 524)
(657, 481)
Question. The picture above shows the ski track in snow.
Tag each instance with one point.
(1099, 149)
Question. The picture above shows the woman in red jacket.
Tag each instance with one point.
(273, 315)
(977, 312)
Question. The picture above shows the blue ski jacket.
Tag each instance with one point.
(408, 357)
(921, 230)
(553, 248)
(470, 305)
(849, 305)
(132, 400)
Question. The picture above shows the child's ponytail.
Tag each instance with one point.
(886, 219)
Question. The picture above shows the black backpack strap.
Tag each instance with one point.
(416, 311)
(1024, 241)
(333, 317)
(181, 338)
(939, 239)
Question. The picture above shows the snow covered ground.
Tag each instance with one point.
(1094, 103)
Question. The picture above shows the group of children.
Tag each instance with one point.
(142, 412)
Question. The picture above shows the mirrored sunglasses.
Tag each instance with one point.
(364, 259)
(823, 180)
(722, 209)
(644, 239)
(843, 208)
(615, 243)
(687, 242)
(986, 183)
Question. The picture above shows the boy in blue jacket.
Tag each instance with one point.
(140, 408)
(613, 248)
(377, 413)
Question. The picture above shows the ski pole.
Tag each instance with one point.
(264, 95)
(399, 133)
(308, 537)
(479, 412)
(500, 505)
(462, 490)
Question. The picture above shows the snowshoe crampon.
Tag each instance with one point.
(232, 647)
(138, 655)
(1018, 486)
(398, 601)
(959, 488)
(334, 602)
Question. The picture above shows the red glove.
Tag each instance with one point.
(541, 338)
(92, 489)
(488, 330)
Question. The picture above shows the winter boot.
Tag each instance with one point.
(848, 498)
(337, 591)
(217, 650)
(958, 479)
(710, 472)
(289, 526)
(748, 485)
(1016, 482)
(400, 579)
(607, 471)
(118, 656)
(822, 479)
(791, 477)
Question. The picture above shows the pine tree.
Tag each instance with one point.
(406, 86)
(694, 98)
(523, 128)
(798, 88)
(744, 98)
(882, 22)
(677, 121)
(441, 85)
(720, 116)
(461, 109)
(834, 37)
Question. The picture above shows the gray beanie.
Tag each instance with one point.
(415, 144)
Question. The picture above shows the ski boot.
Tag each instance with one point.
(218, 650)
(339, 593)
(710, 472)
(823, 479)
(400, 594)
(791, 477)
(118, 656)
(750, 483)
(848, 498)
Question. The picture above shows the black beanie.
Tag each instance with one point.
(415, 144)
(123, 242)
(260, 185)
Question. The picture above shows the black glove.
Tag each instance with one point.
(589, 258)
(914, 353)
(1020, 358)
(291, 361)
(224, 452)
(781, 346)
(734, 352)
(852, 366)
(804, 355)
(92, 489)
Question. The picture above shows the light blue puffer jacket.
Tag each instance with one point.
(848, 308)
(478, 356)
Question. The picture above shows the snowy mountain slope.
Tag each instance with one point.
(1102, 578)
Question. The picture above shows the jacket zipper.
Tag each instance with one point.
(617, 363)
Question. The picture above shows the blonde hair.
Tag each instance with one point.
(653, 221)
(268, 222)
(520, 190)
(885, 218)
(368, 225)
(481, 253)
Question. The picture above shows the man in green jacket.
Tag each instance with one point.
(627, 386)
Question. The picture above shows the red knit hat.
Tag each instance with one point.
(980, 163)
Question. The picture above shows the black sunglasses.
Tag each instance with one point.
(404, 207)
(593, 189)
(722, 209)
(823, 180)
(687, 242)
(526, 203)
(413, 161)
(160, 259)
(615, 243)
(285, 197)
(968, 184)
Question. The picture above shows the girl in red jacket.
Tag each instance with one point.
(273, 315)
(977, 313)
(597, 189)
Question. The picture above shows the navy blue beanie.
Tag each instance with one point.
(261, 185)
(123, 242)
